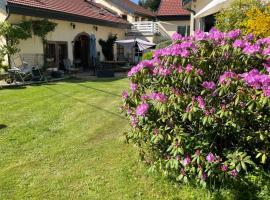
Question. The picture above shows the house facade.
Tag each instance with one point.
(79, 23)
(172, 17)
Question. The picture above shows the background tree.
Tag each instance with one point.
(152, 4)
(251, 16)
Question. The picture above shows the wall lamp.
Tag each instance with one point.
(95, 28)
(73, 25)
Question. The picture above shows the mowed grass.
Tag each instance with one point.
(63, 141)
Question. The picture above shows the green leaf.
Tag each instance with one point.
(243, 164)
(238, 167)
(264, 158)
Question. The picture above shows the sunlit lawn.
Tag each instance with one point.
(63, 141)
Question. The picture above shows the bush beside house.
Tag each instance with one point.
(199, 110)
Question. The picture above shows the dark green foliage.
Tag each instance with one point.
(107, 46)
(152, 4)
(147, 55)
(163, 44)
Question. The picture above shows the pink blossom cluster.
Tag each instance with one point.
(258, 80)
(142, 109)
(159, 97)
(144, 64)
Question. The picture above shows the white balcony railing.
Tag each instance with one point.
(145, 27)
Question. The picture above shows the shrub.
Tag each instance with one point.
(258, 21)
(148, 55)
(235, 16)
(163, 44)
(200, 109)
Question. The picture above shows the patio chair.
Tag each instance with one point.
(69, 67)
(21, 71)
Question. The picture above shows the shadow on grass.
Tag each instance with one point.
(67, 80)
(256, 187)
(3, 126)
(85, 102)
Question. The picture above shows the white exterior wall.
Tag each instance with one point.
(63, 32)
(171, 26)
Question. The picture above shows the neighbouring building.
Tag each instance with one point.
(80, 25)
(173, 17)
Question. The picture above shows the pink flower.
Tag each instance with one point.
(177, 36)
(238, 44)
(209, 85)
(224, 168)
(204, 176)
(233, 34)
(189, 68)
(234, 173)
(159, 97)
(187, 161)
(201, 102)
(134, 121)
(144, 97)
(251, 49)
(133, 86)
(199, 72)
(226, 75)
(142, 109)
(210, 157)
(266, 92)
(124, 94)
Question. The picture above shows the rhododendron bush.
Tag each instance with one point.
(200, 109)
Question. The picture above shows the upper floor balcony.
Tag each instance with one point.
(144, 27)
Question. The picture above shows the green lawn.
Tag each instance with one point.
(63, 141)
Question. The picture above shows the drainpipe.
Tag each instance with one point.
(194, 13)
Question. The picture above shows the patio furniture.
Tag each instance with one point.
(70, 68)
(21, 71)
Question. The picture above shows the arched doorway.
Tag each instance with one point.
(81, 51)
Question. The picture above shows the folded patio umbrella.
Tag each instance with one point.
(142, 44)
(213, 7)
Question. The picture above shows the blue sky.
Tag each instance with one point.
(136, 1)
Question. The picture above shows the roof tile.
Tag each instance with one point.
(171, 8)
(75, 7)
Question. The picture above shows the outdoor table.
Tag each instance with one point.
(113, 64)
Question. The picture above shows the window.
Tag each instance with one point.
(183, 30)
(120, 52)
(124, 17)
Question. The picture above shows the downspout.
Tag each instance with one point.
(194, 13)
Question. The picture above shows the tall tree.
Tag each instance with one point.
(152, 4)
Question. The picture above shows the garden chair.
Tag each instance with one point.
(69, 67)
(21, 71)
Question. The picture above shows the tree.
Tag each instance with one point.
(251, 16)
(107, 46)
(258, 22)
(152, 4)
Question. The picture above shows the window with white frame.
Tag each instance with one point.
(183, 30)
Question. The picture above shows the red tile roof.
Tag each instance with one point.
(171, 8)
(80, 8)
(133, 7)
